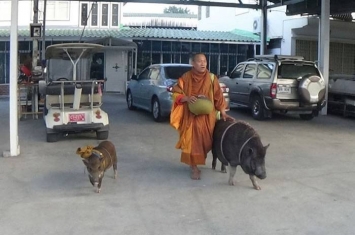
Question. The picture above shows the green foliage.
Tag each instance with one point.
(178, 10)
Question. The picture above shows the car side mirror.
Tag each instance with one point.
(134, 77)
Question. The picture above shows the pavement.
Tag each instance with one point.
(309, 187)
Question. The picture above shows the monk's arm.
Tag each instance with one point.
(219, 102)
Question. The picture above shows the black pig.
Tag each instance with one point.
(238, 144)
(97, 160)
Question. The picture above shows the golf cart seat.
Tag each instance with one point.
(53, 94)
(69, 88)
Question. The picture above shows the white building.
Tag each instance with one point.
(78, 17)
(288, 35)
(65, 13)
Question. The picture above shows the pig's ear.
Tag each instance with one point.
(86, 162)
(266, 147)
(79, 151)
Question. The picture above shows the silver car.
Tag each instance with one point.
(150, 90)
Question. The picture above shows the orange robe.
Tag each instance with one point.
(195, 132)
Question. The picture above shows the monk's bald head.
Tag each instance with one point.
(199, 62)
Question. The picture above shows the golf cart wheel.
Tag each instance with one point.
(257, 108)
(307, 117)
(101, 135)
(156, 110)
(129, 100)
(52, 137)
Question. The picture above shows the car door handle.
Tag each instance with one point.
(249, 84)
(237, 83)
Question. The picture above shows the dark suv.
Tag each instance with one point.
(277, 83)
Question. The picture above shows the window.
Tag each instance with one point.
(56, 10)
(238, 71)
(6, 14)
(249, 71)
(144, 74)
(265, 71)
(166, 46)
(84, 14)
(114, 14)
(199, 12)
(296, 70)
(207, 11)
(176, 72)
(94, 14)
(196, 47)
(104, 15)
(154, 73)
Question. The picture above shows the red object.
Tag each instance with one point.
(273, 90)
(26, 71)
(77, 117)
(178, 99)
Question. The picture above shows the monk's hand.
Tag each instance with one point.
(191, 99)
(225, 116)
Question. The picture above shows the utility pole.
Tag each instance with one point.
(44, 31)
(35, 52)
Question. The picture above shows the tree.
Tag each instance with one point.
(178, 10)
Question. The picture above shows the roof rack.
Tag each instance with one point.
(276, 57)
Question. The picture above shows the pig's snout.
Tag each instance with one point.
(260, 172)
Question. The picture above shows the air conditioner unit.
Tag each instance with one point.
(257, 25)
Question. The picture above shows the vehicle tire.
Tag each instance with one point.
(311, 89)
(257, 108)
(52, 137)
(156, 111)
(129, 100)
(101, 135)
(307, 117)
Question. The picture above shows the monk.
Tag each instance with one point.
(196, 131)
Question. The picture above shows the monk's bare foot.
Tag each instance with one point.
(195, 173)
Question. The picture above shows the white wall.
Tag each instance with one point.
(26, 13)
(227, 19)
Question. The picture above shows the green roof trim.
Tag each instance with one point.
(245, 33)
(144, 33)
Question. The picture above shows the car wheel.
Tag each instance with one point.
(101, 135)
(307, 117)
(129, 100)
(257, 108)
(156, 110)
(52, 137)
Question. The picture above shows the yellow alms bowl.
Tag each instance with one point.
(202, 106)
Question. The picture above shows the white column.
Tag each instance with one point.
(323, 48)
(14, 146)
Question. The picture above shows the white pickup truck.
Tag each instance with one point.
(341, 94)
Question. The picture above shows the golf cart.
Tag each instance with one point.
(72, 100)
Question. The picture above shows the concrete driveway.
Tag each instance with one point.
(309, 188)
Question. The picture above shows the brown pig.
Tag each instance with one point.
(97, 160)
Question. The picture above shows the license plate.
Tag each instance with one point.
(284, 89)
(77, 117)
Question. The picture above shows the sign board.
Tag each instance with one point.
(36, 30)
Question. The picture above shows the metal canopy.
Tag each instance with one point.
(313, 7)
(189, 2)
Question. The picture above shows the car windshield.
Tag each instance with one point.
(296, 70)
(175, 72)
(59, 68)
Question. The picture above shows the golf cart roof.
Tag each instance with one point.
(58, 51)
